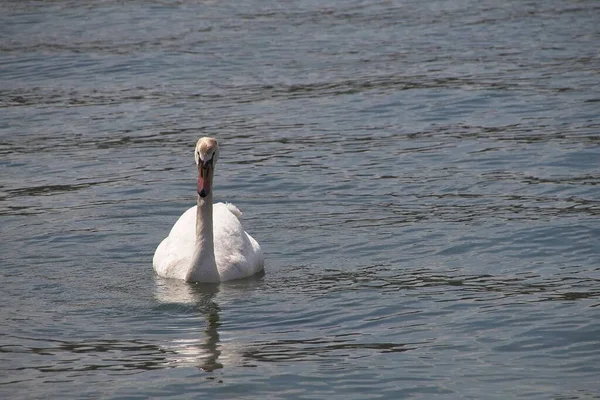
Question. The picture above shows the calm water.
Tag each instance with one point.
(424, 178)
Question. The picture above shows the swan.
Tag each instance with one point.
(208, 243)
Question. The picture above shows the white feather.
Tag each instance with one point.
(237, 254)
(236, 211)
(191, 253)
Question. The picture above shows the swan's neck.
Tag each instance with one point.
(204, 266)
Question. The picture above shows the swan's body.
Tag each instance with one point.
(208, 243)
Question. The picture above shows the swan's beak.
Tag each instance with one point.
(204, 178)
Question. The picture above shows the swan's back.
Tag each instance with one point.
(237, 254)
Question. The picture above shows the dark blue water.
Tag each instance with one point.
(424, 179)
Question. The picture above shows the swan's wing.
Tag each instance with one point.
(174, 254)
(237, 254)
(234, 210)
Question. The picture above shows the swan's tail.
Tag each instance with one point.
(234, 210)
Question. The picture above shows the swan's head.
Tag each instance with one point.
(206, 155)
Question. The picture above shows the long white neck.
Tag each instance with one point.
(204, 266)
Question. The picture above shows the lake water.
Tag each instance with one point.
(424, 178)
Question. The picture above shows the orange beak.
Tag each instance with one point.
(204, 179)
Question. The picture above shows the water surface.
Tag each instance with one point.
(423, 178)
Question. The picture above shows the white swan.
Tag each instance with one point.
(208, 243)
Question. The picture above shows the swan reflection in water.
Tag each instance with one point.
(204, 349)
